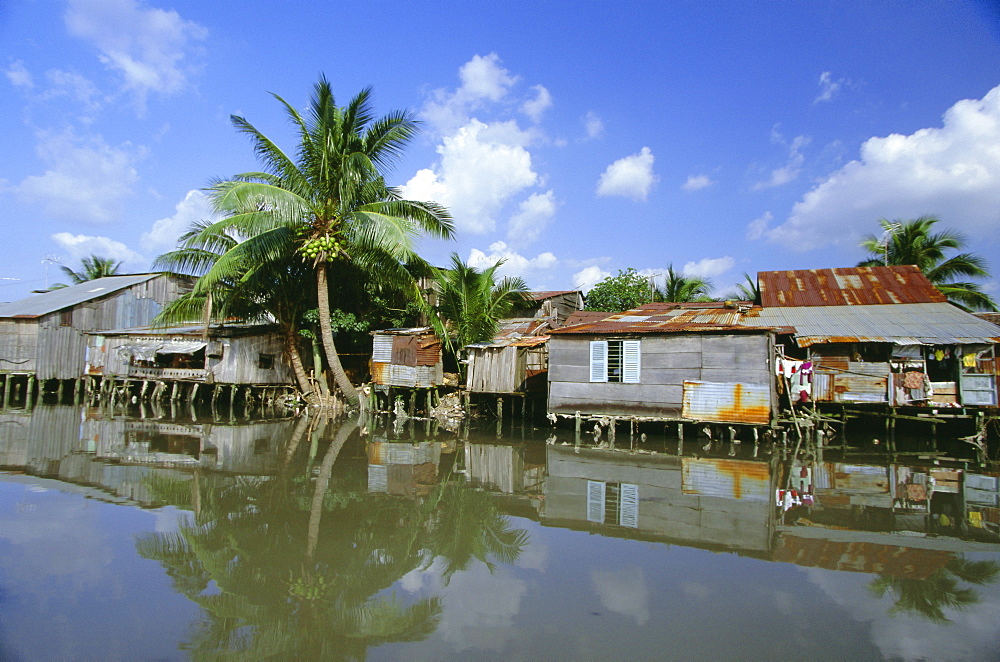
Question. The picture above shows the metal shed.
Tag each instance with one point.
(44, 335)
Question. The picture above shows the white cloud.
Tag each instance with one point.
(587, 277)
(697, 182)
(74, 86)
(149, 48)
(86, 179)
(629, 177)
(19, 76)
(80, 246)
(790, 171)
(624, 592)
(481, 168)
(758, 226)
(534, 108)
(593, 125)
(484, 79)
(828, 87)
(514, 264)
(163, 235)
(952, 171)
(708, 267)
(533, 216)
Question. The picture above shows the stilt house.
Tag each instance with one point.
(44, 336)
(666, 361)
(881, 335)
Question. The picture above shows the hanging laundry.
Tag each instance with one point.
(913, 379)
(969, 360)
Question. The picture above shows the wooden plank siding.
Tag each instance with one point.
(53, 345)
(667, 361)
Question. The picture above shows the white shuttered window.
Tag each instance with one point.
(615, 361)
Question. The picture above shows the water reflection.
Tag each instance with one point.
(319, 538)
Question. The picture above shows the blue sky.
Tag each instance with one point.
(571, 139)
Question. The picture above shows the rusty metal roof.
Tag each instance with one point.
(673, 318)
(902, 324)
(850, 286)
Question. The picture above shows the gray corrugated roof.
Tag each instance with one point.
(903, 323)
(43, 304)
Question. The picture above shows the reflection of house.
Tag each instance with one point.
(882, 335)
(228, 355)
(666, 361)
(703, 502)
(43, 335)
(504, 469)
(407, 357)
(403, 468)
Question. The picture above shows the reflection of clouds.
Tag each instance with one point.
(624, 592)
(971, 635)
(534, 557)
(47, 535)
(699, 592)
(470, 621)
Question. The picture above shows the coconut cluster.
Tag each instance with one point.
(324, 247)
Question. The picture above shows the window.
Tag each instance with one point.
(66, 317)
(615, 361)
(265, 361)
(613, 503)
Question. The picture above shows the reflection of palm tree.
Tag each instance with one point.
(302, 565)
(929, 597)
(468, 526)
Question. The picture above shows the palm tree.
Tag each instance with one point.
(272, 292)
(913, 241)
(92, 267)
(678, 288)
(748, 290)
(471, 302)
(328, 203)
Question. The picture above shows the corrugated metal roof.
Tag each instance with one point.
(904, 323)
(672, 318)
(541, 296)
(851, 286)
(66, 297)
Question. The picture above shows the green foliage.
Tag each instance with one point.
(913, 241)
(471, 302)
(618, 293)
(92, 268)
(678, 288)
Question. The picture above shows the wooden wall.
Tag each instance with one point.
(667, 360)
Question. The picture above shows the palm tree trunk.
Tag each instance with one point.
(323, 481)
(292, 349)
(332, 357)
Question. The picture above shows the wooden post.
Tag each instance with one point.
(30, 393)
(579, 422)
(6, 390)
(174, 393)
(499, 417)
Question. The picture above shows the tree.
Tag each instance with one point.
(92, 268)
(270, 292)
(678, 288)
(329, 204)
(748, 290)
(471, 302)
(913, 241)
(615, 294)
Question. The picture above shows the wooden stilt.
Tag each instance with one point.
(7, 390)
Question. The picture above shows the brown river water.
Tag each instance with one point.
(141, 537)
